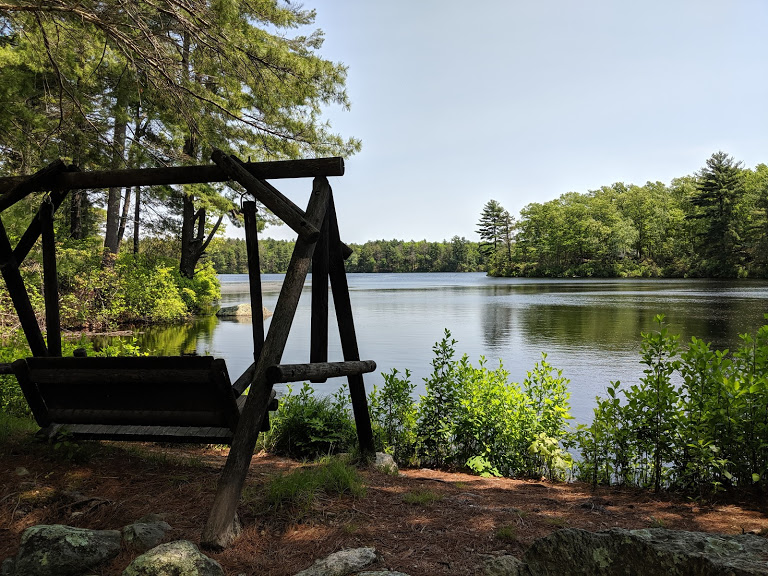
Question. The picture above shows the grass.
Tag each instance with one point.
(12, 426)
(298, 490)
(424, 498)
(506, 533)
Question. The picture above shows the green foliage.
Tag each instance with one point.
(297, 490)
(393, 416)
(131, 289)
(697, 421)
(306, 426)
(712, 224)
(439, 408)
(474, 417)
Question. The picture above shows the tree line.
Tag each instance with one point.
(711, 224)
(229, 256)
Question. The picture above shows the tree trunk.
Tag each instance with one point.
(124, 215)
(136, 214)
(193, 242)
(111, 235)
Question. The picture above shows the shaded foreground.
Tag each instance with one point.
(420, 522)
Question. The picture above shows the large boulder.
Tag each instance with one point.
(57, 550)
(654, 552)
(180, 558)
(241, 311)
(341, 563)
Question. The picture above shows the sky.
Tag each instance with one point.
(458, 103)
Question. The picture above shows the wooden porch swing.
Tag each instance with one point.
(187, 398)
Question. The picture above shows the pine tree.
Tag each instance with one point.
(490, 227)
(720, 187)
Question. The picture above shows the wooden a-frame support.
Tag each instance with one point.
(318, 244)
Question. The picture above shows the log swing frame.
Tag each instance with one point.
(215, 410)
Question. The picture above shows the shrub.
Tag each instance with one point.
(306, 426)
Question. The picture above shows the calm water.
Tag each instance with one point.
(589, 328)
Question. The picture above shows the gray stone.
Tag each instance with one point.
(385, 463)
(180, 558)
(145, 533)
(341, 563)
(382, 573)
(504, 566)
(58, 550)
(654, 552)
(241, 311)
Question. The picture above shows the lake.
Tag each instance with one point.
(590, 329)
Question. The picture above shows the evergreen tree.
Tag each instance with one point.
(491, 227)
(720, 187)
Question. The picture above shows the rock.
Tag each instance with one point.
(341, 563)
(241, 311)
(180, 558)
(382, 573)
(654, 552)
(145, 533)
(385, 463)
(21, 471)
(58, 550)
(504, 566)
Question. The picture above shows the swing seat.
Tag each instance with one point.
(146, 398)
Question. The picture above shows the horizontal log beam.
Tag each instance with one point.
(178, 175)
(317, 371)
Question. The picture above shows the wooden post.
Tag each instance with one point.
(318, 344)
(220, 529)
(254, 276)
(18, 292)
(346, 323)
(50, 279)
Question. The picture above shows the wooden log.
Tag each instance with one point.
(50, 280)
(34, 229)
(23, 186)
(318, 343)
(319, 372)
(220, 528)
(254, 276)
(9, 269)
(181, 175)
(343, 305)
(244, 380)
(283, 208)
(31, 393)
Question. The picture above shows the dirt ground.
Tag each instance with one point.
(458, 518)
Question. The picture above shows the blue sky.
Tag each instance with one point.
(460, 102)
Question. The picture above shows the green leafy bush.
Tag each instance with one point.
(697, 421)
(393, 416)
(307, 426)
